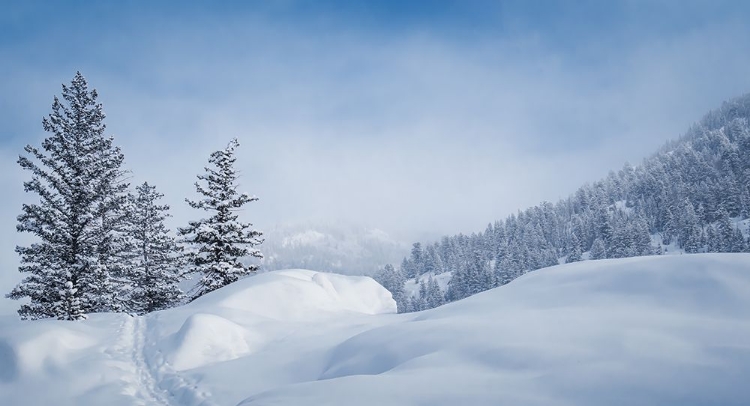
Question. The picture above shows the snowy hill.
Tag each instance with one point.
(668, 330)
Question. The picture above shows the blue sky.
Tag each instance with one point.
(416, 117)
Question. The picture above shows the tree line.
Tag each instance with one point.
(691, 195)
(102, 247)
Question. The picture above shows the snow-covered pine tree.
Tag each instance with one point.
(503, 273)
(417, 261)
(393, 281)
(420, 301)
(78, 178)
(598, 251)
(435, 295)
(220, 240)
(575, 249)
(155, 260)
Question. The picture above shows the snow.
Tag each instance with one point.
(662, 330)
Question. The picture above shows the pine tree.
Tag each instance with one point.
(78, 177)
(393, 281)
(154, 265)
(503, 273)
(605, 227)
(598, 251)
(423, 299)
(417, 261)
(435, 295)
(575, 251)
(725, 232)
(221, 239)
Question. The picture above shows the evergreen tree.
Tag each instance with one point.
(598, 251)
(503, 274)
(575, 251)
(435, 295)
(221, 239)
(417, 261)
(155, 261)
(422, 300)
(724, 232)
(407, 268)
(78, 177)
(393, 281)
(605, 229)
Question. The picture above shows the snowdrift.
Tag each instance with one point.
(647, 331)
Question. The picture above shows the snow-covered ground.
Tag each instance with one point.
(670, 330)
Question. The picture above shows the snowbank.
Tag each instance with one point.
(245, 316)
(647, 331)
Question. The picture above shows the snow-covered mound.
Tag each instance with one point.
(117, 359)
(648, 331)
(243, 317)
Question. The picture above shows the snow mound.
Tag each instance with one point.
(43, 348)
(206, 338)
(250, 314)
(298, 294)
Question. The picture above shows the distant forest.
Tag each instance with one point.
(690, 196)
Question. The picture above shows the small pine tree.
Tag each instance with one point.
(221, 239)
(155, 258)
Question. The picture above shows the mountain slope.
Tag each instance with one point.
(666, 330)
(692, 196)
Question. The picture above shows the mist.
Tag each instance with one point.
(418, 130)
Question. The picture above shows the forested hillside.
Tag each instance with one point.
(690, 195)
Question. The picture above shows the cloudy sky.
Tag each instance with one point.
(416, 117)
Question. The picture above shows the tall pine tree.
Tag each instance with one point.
(221, 240)
(78, 177)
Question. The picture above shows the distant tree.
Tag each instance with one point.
(407, 269)
(575, 250)
(598, 251)
(78, 177)
(392, 279)
(435, 295)
(432, 262)
(422, 299)
(724, 232)
(417, 261)
(606, 232)
(221, 240)
(503, 273)
(155, 263)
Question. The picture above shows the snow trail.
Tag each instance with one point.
(149, 388)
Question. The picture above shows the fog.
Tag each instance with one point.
(412, 127)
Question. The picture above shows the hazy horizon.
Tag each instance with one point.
(418, 119)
